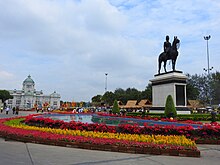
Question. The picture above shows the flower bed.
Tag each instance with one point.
(208, 131)
(108, 143)
(157, 139)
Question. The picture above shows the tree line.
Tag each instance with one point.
(122, 95)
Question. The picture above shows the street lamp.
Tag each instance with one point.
(208, 69)
(106, 74)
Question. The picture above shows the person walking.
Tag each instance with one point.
(17, 110)
(7, 110)
(13, 110)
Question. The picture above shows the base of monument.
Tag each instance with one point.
(180, 110)
(171, 83)
(175, 71)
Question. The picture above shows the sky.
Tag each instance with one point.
(68, 46)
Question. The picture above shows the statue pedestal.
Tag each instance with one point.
(171, 83)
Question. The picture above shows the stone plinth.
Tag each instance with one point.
(170, 83)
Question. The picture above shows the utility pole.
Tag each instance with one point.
(208, 67)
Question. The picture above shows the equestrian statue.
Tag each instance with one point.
(170, 53)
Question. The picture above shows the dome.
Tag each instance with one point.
(54, 94)
(28, 80)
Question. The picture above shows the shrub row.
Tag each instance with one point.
(194, 117)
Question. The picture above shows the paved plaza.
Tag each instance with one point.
(18, 153)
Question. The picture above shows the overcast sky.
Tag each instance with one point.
(67, 46)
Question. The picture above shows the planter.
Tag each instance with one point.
(147, 150)
(155, 151)
(193, 154)
(183, 152)
(97, 147)
(173, 152)
(107, 147)
(131, 149)
(85, 145)
(122, 148)
(165, 151)
(114, 148)
(139, 150)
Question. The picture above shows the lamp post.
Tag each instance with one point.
(207, 39)
(208, 69)
(106, 74)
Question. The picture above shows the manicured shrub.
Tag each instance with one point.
(170, 109)
(179, 117)
(115, 108)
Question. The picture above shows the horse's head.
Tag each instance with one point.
(176, 43)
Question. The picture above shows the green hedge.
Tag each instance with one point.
(194, 117)
(170, 109)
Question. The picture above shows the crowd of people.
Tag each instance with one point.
(15, 110)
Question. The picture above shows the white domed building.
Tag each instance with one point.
(29, 97)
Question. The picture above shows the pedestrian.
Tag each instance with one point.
(7, 110)
(17, 110)
(13, 110)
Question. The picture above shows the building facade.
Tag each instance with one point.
(29, 97)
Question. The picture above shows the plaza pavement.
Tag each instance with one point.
(18, 153)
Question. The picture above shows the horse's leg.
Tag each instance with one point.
(159, 66)
(164, 65)
(173, 64)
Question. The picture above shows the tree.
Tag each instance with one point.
(124, 95)
(147, 93)
(5, 95)
(120, 94)
(97, 98)
(215, 85)
(204, 87)
(170, 109)
(115, 108)
(132, 94)
(108, 98)
(200, 83)
(192, 92)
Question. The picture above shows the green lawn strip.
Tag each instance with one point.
(14, 122)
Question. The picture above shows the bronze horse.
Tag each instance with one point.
(170, 55)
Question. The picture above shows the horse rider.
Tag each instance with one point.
(167, 46)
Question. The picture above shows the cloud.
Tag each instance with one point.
(5, 75)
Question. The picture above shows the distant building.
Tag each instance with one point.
(28, 97)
